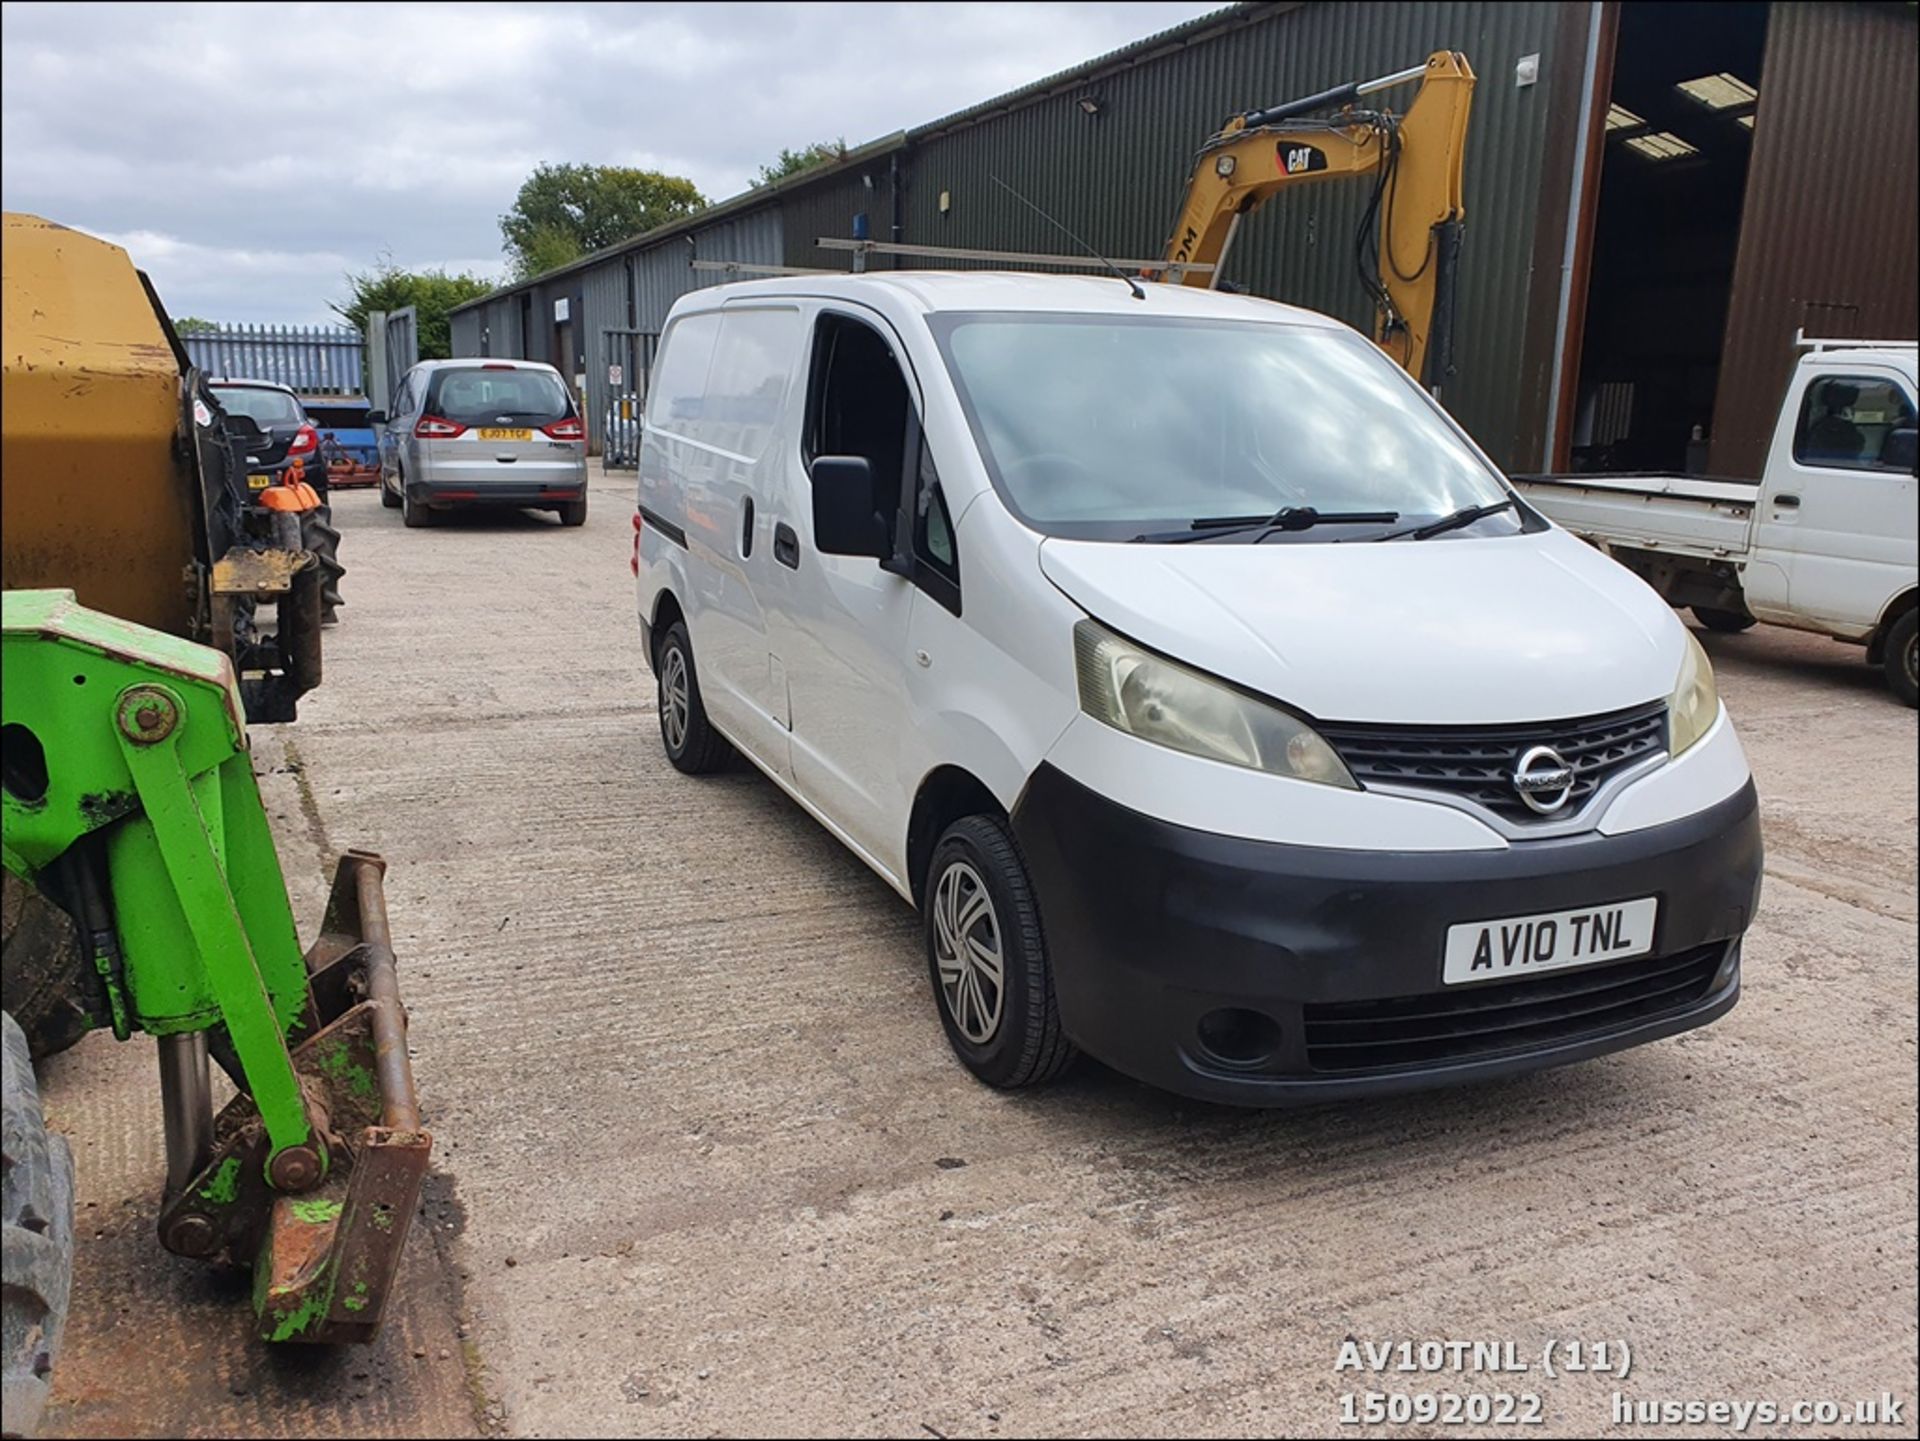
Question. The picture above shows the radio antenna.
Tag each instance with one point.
(1131, 283)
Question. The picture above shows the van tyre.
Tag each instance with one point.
(1727, 622)
(574, 512)
(388, 498)
(1902, 657)
(690, 740)
(36, 1237)
(987, 958)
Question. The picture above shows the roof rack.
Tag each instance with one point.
(863, 248)
(1803, 341)
(743, 267)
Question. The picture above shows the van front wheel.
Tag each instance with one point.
(1902, 659)
(691, 742)
(987, 958)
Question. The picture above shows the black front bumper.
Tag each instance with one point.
(1331, 959)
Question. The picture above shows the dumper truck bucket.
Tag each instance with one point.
(324, 1258)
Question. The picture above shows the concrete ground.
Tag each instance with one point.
(705, 1165)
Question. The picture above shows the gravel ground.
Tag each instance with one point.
(704, 1164)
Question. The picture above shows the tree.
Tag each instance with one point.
(194, 325)
(432, 293)
(547, 247)
(792, 162)
(564, 211)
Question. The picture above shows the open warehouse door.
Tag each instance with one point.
(1749, 174)
(1666, 231)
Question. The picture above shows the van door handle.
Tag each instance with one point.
(746, 528)
(1787, 502)
(786, 546)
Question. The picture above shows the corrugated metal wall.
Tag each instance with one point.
(464, 331)
(828, 209)
(1116, 177)
(1828, 229)
(499, 329)
(603, 289)
(665, 273)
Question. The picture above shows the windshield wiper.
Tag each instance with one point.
(1288, 517)
(1466, 515)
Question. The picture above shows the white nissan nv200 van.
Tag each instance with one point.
(1221, 709)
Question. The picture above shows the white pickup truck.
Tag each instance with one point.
(1824, 542)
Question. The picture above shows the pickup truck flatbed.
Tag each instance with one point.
(1823, 541)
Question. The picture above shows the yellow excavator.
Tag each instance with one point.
(1416, 210)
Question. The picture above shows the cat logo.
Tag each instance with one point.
(1300, 159)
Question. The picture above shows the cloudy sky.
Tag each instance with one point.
(250, 154)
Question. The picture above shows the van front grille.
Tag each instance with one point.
(1477, 763)
(1497, 1017)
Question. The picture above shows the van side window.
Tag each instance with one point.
(857, 403)
(1855, 422)
(936, 559)
(680, 375)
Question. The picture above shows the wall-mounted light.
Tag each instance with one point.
(1089, 104)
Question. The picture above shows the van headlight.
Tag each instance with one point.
(1149, 696)
(1696, 700)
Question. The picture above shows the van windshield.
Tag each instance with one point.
(478, 395)
(1117, 427)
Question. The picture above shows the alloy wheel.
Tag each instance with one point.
(675, 699)
(967, 951)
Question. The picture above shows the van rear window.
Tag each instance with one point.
(476, 396)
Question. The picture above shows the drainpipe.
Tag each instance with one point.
(898, 230)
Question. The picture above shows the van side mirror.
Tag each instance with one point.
(376, 417)
(845, 519)
(1897, 451)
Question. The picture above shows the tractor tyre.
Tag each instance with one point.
(36, 1236)
(318, 536)
(47, 982)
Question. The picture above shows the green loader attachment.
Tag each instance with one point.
(144, 894)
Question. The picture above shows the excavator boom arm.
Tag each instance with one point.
(1257, 156)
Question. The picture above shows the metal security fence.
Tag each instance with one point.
(312, 359)
(621, 386)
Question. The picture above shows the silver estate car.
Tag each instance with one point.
(483, 432)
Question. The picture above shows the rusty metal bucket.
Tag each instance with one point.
(324, 1259)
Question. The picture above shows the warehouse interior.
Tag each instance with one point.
(1672, 179)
